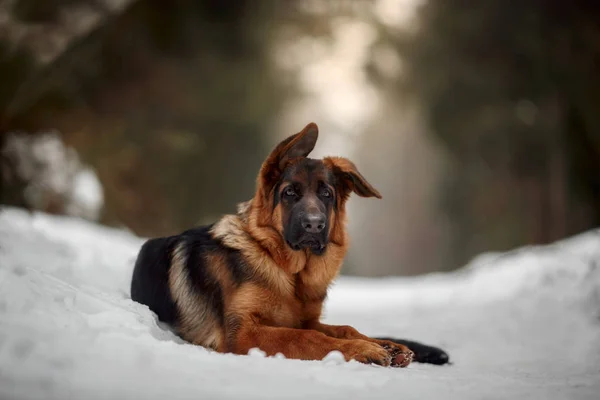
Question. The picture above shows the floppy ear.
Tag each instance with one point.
(298, 145)
(349, 179)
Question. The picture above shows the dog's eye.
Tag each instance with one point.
(325, 193)
(289, 192)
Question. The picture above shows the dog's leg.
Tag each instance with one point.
(423, 353)
(400, 353)
(304, 344)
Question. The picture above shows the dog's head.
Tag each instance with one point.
(305, 198)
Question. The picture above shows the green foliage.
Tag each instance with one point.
(16, 65)
(36, 11)
(512, 89)
(171, 102)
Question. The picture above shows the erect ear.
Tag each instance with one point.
(298, 145)
(349, 179)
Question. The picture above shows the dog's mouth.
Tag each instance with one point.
(315, 245)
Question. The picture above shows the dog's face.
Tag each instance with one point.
(307, 196)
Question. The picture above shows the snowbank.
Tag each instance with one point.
(522, 325)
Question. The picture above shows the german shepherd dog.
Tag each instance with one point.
(259, 278)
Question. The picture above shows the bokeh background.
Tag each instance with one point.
(479, 121)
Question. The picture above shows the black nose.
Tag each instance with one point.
(313, 222)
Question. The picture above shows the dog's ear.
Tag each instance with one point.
(349, 179)
(298, 145)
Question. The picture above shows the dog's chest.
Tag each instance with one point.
(293, 312)
(295, 308)
(313, 281)
(302, 301)
(287, 313)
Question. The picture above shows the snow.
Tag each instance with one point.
(87, 196)
(53, 174)
(523, 324)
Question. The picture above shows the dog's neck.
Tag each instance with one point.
(258, 239)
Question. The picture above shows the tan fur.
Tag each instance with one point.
(197, 324)
(217, 267)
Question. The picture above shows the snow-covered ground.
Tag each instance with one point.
(518, 325)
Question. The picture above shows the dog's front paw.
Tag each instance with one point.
(423, 352)
(402, 360)
(367, 353)
(401, 355)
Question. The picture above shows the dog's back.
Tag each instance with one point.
(150, 281)
(172, 277)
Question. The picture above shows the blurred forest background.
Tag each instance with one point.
(478, 121)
